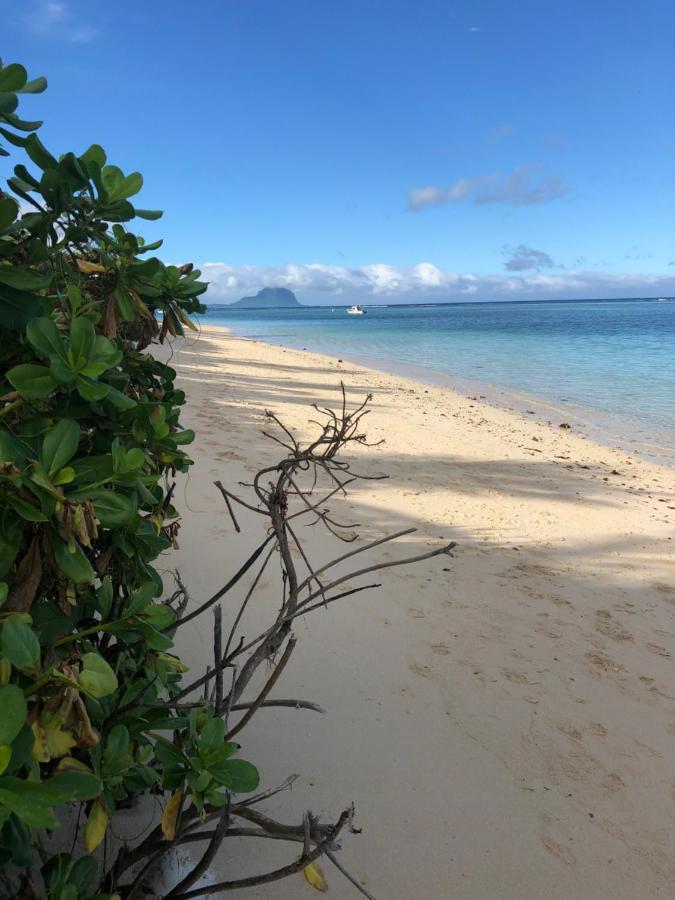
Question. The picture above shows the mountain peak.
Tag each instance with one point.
(269, 298)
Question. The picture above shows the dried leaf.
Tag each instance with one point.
(314, 876)
(171, 813)
(88, 267)
(110, 319)
(86, 736)
(27, 580)
(95, 829)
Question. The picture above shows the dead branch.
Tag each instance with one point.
(298, 488)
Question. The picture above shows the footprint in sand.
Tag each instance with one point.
(604, 662)
(658, 650)
(515, 677)
(423, 671)
(416, 613)
(662, 588)
(607, 625)
(442, 649)
(564, 854)
(613, 783)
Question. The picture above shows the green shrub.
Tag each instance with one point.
(90, 437)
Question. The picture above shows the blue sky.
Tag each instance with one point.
(379, 150)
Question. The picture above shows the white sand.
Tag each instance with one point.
(503, 720)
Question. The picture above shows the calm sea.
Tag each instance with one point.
(606, 365)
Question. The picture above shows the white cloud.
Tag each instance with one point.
(523, 186)
(56, 19)
(522, 258)
(424, 282)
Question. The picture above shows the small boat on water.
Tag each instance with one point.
(356, 311)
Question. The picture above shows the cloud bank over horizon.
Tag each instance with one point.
(316, 283)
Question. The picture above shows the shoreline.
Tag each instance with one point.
(596, 425)
(502, 719)
(584, 420)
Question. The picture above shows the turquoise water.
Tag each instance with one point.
(609, 363)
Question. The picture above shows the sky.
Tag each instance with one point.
(377, 151)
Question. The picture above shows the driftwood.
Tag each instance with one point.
(295, 491)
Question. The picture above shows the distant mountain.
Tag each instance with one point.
(269, 298)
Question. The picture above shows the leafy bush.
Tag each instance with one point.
(90, 437)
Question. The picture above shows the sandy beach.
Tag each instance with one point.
(504, 719)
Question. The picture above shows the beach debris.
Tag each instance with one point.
(315, 877)
(564, 425)
(297, 490)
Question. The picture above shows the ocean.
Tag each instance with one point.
(606, 366)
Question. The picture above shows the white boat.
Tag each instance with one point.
(355, 311)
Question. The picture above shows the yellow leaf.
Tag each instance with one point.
(39, 751)
(314, 876)
(185, 319)
(95, 829)
(51, 741)
(88, 267)
(5, 756)
(58, 741)
(170, 814)
(70, 764)
(5, 670)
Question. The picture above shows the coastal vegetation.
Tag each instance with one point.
(96, 711)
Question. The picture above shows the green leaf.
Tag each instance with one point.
(13, 120)
(82, 338)
(186, 436)
(75, 565)
(64, 476)
(124, 187)
(97, 678)
(71, 786)
(9, 210)
(103, 356)
(113, 510)
(82, 874)
(60, 445)
(238, 775)
(14, 711)
(26, 510)
(124, 303)
(33, 813)
(91, 390)
(24, 279)
(36, 86)
(119, 211)
(120, 400)
(117, 743)
(45, 337)
(151, 214)
(212, 734)
(5, 756)
(96, 154)
(8, 102)
(32, 382)
(39, 153)
(12, 77)
(104, 595)
(17, 308)
(62, 788)
(19, 644)
(159, 615)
